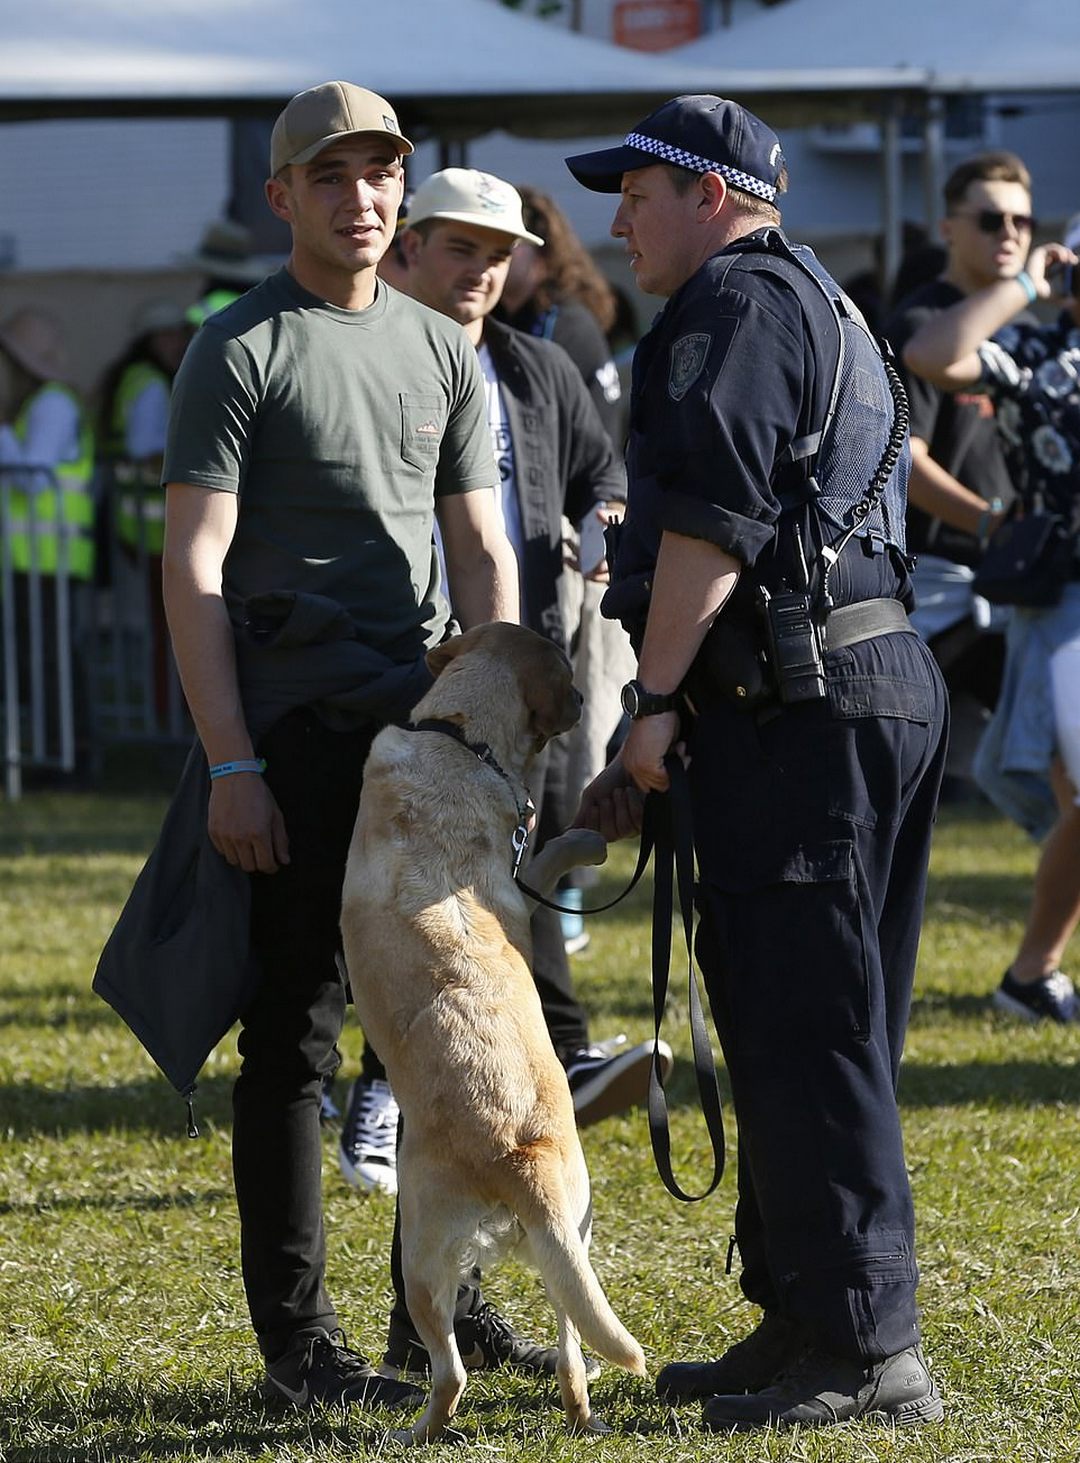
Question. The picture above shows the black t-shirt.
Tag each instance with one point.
(959, 429)
(575, 328)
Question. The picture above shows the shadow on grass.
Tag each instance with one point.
(982, 895)
(124, 1203)
(1014, 1084)
(150, 1106)
(929, 1007)
(116, 1419)
(72, 1004)
(122, 1420)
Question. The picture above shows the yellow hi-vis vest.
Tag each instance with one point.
(66, 507)
(140, 498)
(209, 305)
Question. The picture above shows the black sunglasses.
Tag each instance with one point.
(990, 221)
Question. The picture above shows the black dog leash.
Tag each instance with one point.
(669, 829)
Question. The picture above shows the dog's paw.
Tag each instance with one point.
(572, 849)
(407, 1437)
(592, 1427)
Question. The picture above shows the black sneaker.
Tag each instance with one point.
(486, 1341)
(609, 1077)
(748, 1366)
(1050, 999)
(820, 1390)
(319, 1369)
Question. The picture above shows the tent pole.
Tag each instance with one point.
(933, 161)
(891, 183)
(453, 153)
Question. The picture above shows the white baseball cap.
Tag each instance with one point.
(467, 196)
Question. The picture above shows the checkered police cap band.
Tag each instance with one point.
(683, 159)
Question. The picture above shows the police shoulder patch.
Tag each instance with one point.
(688, 356)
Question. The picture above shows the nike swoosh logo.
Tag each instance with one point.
(475, 1359)
(297, 1397)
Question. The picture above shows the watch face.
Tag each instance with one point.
(629, 698)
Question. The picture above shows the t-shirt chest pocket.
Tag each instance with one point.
(423, 420)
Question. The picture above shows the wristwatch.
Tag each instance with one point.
(637, 702)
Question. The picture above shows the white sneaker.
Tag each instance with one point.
(367, 1150)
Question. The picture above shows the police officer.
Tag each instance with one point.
(761, 575)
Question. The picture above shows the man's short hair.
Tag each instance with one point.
(985, 167)
(748, 204)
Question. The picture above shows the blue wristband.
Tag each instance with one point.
(226, 769)
(1027, 284)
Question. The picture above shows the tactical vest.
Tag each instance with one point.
(64, 505)
(139, 498)
(857, 429)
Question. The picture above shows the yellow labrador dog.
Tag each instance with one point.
(436, 937)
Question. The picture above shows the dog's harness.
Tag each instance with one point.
(526, 808)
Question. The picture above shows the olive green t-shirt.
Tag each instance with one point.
(339, 429)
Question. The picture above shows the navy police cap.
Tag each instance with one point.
(705, 134)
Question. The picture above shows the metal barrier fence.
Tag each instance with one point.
(82, 663)
(135, 687)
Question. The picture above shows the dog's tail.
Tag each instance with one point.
(560, 1254)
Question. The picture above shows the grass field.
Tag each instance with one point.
(125, 1331)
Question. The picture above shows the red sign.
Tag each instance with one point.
(655, 25)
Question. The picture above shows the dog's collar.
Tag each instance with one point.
(525, 809)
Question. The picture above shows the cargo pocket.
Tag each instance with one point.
(423, 420)
(799, 947)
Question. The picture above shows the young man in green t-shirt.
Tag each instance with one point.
(318, 426)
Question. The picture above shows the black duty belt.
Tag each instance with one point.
(848, 624)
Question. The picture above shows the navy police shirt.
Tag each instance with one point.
(719, 384)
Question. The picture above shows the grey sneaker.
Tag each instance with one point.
(821, 1389)
(367, 1147)
(610, 1076)
(319, 1369)
(1050, 999)
(486, 1341)
(748, 1366)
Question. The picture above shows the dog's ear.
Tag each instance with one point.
(554, 704)
(441, 655)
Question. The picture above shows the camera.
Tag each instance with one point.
(1065, 280)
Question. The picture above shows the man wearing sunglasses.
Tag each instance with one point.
(1028, 761)
(959, 483)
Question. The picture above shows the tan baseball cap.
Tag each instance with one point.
(467, 196)
(325, 114)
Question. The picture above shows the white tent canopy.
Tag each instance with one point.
(944, 45)
(460, 66)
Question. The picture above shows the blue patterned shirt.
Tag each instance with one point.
(1032, 372)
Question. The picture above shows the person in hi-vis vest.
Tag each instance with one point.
(47, 460)
(132, 426)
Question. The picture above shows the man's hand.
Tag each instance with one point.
(611, 804)
(1042, 264)
(647, 744)
(245, 824)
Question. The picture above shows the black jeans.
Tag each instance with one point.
(290, 1030)
(813, 836)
